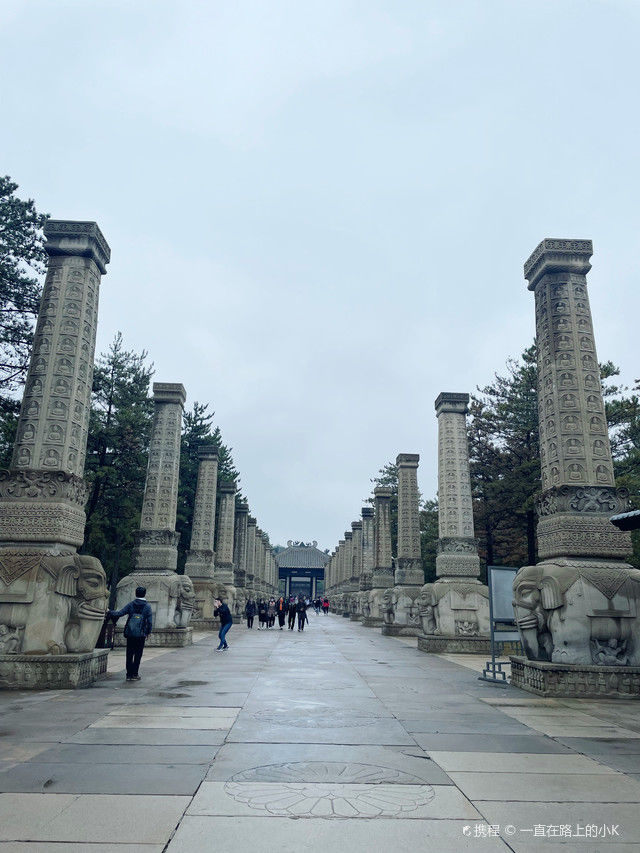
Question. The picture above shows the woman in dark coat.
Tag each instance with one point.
(262, 614)
(301, 608)
(292, 613)
(250, 611)
(271, 613)
(281, 610)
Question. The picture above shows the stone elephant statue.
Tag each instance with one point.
(182, 593)
(454, 608)
(51, 604)
(579, 612)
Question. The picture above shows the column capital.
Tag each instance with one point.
(367, 512)
(251, 521)
(356, 525)
(227, 488)
(557, 255)
(383, 492)
(242, 507)
(83, 239)
(407, 460)
(207, 451)
(348, 534)
(169, 392)
(448, 401)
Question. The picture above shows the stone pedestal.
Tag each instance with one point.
(454, 611)
(171, 596)
(52, 600)
(578, 611)
(175, 638)
(52, 672)
(575, 680)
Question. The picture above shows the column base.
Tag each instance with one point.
(575, 681)
(400, 630)
(173, 638)
(52, 672)
(205, 624)
(355, 617)
(371, 621)
(457, 645)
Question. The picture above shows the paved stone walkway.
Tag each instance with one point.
(369, 743)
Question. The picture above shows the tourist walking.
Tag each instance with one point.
(137, 629)
(250, 610)
(262, 614)
(292, 613)
(226, 621)
(325, 605)
(301, 609)
(281, 609)
(271, 613)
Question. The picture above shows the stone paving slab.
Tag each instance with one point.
(136, 709)
(505, 762)
(602, 746)
(84, 778)
(345, 836)
(160, 721)
(626, 816)
(72, 753)
(66, 847)
(488, 743)
(545, 787)
(67, 817)
(150, 736)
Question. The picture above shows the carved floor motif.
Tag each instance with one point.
(321, 718)
(329, 790)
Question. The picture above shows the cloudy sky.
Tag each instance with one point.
(318, 210)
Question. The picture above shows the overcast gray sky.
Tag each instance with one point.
(318, 210)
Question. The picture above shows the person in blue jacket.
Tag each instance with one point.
(224, 614)
(138, 627)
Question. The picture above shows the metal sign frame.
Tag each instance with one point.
(493, 672)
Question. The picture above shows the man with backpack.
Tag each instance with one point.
(136, 630)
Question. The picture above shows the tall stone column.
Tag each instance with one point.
(260, 578)
(337, 607)
(578, 608)
(266, 574)
(356, 570)
(200, 557)
(224, 549)
(52, 601)
(454, 611)
(367, 548)
(171, 596)
(401, 616)
(251, 556)
(240, 555)
(347, 586)
(382, 577)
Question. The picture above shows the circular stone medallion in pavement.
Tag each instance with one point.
(329, 790)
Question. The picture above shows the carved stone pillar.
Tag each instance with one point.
(454, 611)
(401, 615)
(577, 609)
(356, 570)
(224, 571)
(367, 549)
(52, 601)
(259, 557)
(240, 554)
(171, 596)
(251, 556)
(200, 557)
(382, 571)
(347, 585)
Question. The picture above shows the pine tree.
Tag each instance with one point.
(117, 452)
(22, 265)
